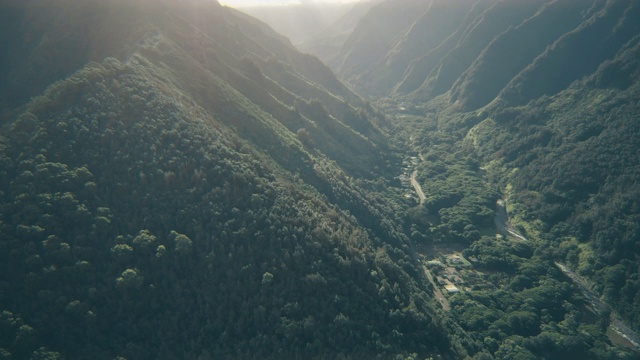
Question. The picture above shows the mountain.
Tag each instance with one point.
(235, 60)
(316, 28)
(533, 105)
(478, 50)
(179, 182)
(576, 185)
(375, 36)
(328, 41)
(304, 20)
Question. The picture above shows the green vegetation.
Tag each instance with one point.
(576, 182)
(141, 227)
(566, 164)
(520, 305)
(188, 185)
(165, 203)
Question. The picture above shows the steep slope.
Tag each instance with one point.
(576, 182)
(545, 115)
(533, 105)
(420, 67)
(478, 50)
(438, 22)
(475, 37)
(394, 34)
(375, 35)
(328, 41)
(513, 50)
(300, 21)
(185, 189)
(576, 54)
(433, 51)
(253, 59)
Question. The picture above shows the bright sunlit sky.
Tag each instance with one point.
(245, 3)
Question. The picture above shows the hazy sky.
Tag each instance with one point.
(243, 3)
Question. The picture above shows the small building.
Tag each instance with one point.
(451, 289)
(435, 263)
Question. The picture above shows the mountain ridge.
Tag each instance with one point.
(540, 110)
(189, 185)
(474, 49)
(194, 195)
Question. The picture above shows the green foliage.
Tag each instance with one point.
(44, 354)
(140, 218)
(144, 239)
(568, 168)
(267, 278)
(575, 187)
(183, 244)
(460, 203)
(130, 279)
(219, 195)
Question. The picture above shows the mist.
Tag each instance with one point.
(271, 3)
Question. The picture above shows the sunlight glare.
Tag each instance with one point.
(247, 3)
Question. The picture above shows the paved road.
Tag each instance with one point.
(616, 324)
(442, 300)
(417, 187)
(502, 222)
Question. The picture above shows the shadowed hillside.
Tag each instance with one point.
(179, 182)
(476, 51)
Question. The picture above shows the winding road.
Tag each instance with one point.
(502, 225)
(600, 308)
(442, 300)
(417, 187)
(502, 222)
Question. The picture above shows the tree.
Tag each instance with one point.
(130, 279)
(267, 277)
(304, 136)
(182, 243)
(144, 239)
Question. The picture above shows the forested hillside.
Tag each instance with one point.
(576, 184)
(179, 182)
(534, 103)
(478, 49)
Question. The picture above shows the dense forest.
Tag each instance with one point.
(536, 104)
(193, 195)
(178, 181)
(150, 233)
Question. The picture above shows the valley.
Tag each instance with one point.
(421, 179)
